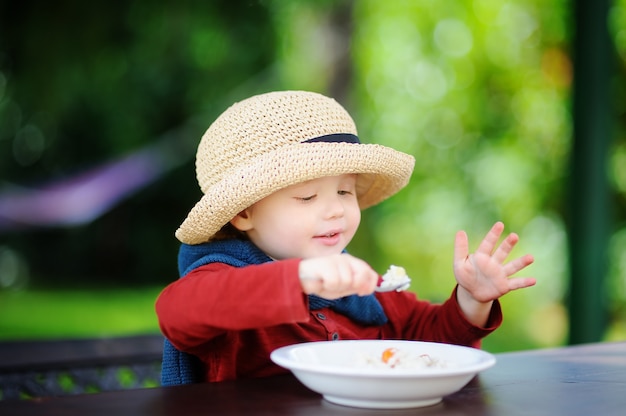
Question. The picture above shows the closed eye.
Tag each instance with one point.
(307, 198)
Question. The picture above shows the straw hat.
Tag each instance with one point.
(270, 141)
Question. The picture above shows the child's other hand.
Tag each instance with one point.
(335, 276)
(484, 275)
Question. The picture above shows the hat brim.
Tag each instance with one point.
(382, 172)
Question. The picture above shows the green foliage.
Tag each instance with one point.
(463, 88)
(77, 313)
(85, 83)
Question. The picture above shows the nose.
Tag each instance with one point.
(334, 207)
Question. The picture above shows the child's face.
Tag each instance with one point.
(310, 219)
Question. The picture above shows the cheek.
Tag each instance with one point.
(352, 210)
(288, 226)
(283, 237)
(355, 218)
(296, 225)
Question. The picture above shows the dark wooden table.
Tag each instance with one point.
(580, 380)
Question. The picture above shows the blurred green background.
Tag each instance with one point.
(479, 91)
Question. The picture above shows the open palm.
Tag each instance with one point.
(485, 274)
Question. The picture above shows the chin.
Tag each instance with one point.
(326, 252)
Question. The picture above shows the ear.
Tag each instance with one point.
(242, 221)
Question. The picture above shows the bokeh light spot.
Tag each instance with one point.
(453, 37)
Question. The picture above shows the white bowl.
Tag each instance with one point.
(333, 369)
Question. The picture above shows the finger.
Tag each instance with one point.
(518, 264)
(461, 247)
(364, 277)
(491, 239)
(505, 248)
(521, 282)
(311, 285)
(343, 274)
(312, 281)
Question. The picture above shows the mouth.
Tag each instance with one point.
(330, 238)
(329, 234)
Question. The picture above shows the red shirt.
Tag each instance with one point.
(233, 318)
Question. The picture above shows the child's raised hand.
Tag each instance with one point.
(335, 276)
(485, 275)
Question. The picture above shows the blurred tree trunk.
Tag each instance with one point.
(590, 219)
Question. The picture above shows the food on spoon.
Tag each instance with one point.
(395, 275)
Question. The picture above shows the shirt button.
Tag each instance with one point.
(321, 316)
(335, 336)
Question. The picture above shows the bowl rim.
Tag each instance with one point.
(485, 360)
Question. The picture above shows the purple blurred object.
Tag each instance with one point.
(85, 197)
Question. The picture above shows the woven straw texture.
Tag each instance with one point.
(256, 148)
